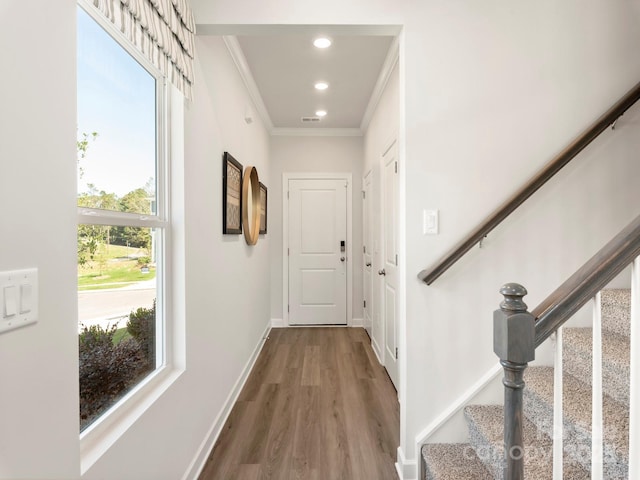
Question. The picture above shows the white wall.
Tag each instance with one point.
(39, 363)
(382, 130)
(511, 86)
(314, 155)
(227, 282)
(491, 92)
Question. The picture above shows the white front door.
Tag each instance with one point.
(390, 260)
(317, 220)
(367, 254)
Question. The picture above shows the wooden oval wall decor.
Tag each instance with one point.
(251, 226)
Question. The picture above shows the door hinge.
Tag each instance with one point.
(396, 353)
(396, 259)
(364, 194)
(289, 309)
(288, 252)
(396, 167)
(365, 304)
(287, 193)
(364, 249)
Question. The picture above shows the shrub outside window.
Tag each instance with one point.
(122, 219)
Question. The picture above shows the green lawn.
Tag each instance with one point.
(115, 270)
(114, 275)
(118, 251)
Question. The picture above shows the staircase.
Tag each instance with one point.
(482, 457)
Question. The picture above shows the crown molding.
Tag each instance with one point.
(299, 29)
(316, 132)
(239, 59)
(385, 73)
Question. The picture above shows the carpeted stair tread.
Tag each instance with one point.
(453, 461)
(486, 436)
(578, 358)
(616, 311)
(538, 407)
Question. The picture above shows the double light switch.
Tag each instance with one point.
(18, 298)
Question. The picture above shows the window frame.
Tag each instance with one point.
(97, 437)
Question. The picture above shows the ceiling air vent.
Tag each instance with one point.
(309, 119)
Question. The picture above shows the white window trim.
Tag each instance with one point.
(98, 437)
(95, 216)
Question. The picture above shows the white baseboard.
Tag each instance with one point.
(406, 469)
(377, 350)
(277, 323)
(197, 464)
(357, 322)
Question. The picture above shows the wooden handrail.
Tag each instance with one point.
(543, 176)
(592, 277)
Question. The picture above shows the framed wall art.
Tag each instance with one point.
(263, 209)
(231, 195)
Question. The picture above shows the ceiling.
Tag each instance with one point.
(281, 70)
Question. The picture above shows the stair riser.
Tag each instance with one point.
(577, 440)
(492, 457)
(452, 461)
(615, 378)
(616, 311)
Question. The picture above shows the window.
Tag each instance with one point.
(123, 221)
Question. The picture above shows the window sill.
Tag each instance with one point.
(105, 431)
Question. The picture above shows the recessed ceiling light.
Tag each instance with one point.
(321, 113)
(322, 42)
(321, 85)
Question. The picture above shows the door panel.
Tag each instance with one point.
(367, 236)
(317, 287)
(317, 266)
(390, 260)
(317, 225)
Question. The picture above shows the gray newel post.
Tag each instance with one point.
(513, 342)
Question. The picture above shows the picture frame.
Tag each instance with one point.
(231, 195)
(263, 209)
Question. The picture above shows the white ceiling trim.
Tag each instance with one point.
(305, 29)
(239, 59)
(385, 73)
(316, 132)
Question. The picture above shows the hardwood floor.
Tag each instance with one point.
(316, 406)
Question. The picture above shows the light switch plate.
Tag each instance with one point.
(19, 292)
(430, 222)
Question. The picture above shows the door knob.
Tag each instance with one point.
(342, 259)
(368, 264)
(382, 272)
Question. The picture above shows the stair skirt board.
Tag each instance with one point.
(482, 457)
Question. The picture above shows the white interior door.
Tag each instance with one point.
(390, 260)
(317, 252)
(367, 252)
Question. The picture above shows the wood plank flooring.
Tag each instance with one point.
(316, 406)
